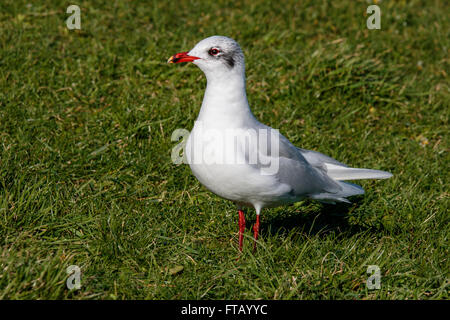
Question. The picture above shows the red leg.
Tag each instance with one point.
(256, 231)
(241, 229)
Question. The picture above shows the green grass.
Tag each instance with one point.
(86, 179)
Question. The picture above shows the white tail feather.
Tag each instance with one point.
(345, 173)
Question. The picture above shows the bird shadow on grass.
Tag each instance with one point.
(312, 219)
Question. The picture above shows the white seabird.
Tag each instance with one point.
(240, 159)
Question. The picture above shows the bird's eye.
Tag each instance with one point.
(213, 51)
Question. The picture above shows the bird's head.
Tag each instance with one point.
(216, 55)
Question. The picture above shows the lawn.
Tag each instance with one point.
(86, 177)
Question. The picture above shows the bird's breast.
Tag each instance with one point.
(219, 161)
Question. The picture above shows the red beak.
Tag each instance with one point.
(181, 57)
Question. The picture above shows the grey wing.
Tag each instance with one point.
(304, 172)
(307, 174)
(288, 150)
(294, 167)
(318, 159)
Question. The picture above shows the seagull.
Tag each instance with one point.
(240, 159)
